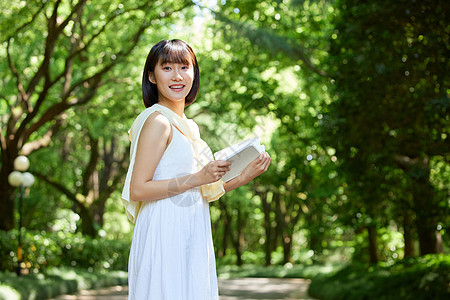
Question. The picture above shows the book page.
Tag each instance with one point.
(240, 155)
(226, 153)
(239, 162)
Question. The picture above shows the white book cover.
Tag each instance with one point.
(240, 155)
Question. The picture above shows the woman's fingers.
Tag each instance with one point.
(263, 159)
(264, 162)
(267, 162)
(218, 168)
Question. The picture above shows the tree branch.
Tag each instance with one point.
(33, 17)
(43, 142)
(110, 19)
(2, 140)
(54, 30)
(32, 114)
(68, 66)
(271, 41)
(92, 83)
(22, 95)
(405, 162)
(80, 50)
(105, 193)
(108, 161)
(70, 195)
(6, 101)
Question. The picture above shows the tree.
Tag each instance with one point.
(390, 103)
(56, 59)
(263, 82)
(98, 179)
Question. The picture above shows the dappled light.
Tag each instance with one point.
(350, 99)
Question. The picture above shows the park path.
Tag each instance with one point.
(229, 289)
(264, 288)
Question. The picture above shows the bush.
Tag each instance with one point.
(56, 282)
(419, 278)
(43, 249)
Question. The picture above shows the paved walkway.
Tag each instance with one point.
(263, 288)
(229, 289)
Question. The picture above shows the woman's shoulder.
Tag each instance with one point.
(149, 117)
(155, 133)
(157, 121)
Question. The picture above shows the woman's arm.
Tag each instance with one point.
(153, 140)
(254, 169)
(152, 143)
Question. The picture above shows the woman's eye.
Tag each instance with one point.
(185, 67)
(166, 68)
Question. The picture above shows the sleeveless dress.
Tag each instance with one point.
(172, 253)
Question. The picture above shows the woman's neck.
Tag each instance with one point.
(176, 107)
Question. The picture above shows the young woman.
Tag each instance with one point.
(171, 178)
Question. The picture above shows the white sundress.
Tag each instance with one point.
(172, 253)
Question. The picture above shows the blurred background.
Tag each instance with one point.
(350, 98)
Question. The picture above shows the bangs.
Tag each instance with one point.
(175, 54)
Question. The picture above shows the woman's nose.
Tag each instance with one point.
(177, 76)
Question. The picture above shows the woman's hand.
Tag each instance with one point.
(213, 171)
(256, 168)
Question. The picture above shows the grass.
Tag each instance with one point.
(286, 271)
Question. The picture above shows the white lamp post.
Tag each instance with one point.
(18, 179)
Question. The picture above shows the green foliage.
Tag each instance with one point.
(77, 75)
(56, 282)
(419, 278)
(54, 249)
(266, 68)
(344, 94)
(380, 120)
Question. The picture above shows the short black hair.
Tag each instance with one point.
(169, 51)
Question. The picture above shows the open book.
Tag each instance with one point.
(240, 155)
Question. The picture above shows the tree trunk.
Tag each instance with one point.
(408, 236)
(315, 236)
(226, 229)
(7, 192)
(7, 206)
(427, 239)
(425, 207)
(87, 222)
(267, 228)
(284, 224)
(278, 232)
(239, 239)
(439, 246)
(287, 246)
(373, 252)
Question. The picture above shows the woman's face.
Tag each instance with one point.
(173, 81)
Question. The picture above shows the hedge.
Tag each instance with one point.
(421, 278)
(56, 282)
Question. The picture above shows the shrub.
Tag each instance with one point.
(424, 278)
(43, 249)
(56, 282)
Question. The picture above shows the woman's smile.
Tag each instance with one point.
(177, 87)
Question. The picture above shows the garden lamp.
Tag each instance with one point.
(22, 179)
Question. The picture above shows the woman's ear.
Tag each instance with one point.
(151, 77)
